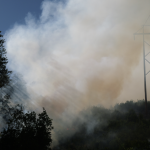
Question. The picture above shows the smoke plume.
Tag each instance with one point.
(80, 53)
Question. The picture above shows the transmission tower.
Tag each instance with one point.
(144, 59)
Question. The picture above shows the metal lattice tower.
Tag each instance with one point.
(144, 59)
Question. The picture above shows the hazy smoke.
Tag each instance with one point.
(80, 53)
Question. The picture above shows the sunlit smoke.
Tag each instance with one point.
(80, 54)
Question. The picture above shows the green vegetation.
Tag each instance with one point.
(4, 81)
(4, 73)
(122, 128)
(24, 131)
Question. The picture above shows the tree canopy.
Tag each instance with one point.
(123, 127)
(4, 73)
(27, 131)
(4, 81)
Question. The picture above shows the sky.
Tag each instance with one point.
(78, 54)
(12, 12)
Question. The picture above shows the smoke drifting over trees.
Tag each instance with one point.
(120, 128)
(78, 54)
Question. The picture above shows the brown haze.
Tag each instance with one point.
(79, 54)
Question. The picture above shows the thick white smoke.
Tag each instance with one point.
(79, 54)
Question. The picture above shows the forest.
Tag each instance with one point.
(123, 127)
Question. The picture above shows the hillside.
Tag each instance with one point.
(123, 127)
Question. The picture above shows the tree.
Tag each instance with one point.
(4, 73)
(4, 81)
(26, 131)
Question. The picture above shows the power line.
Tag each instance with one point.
(144, 59)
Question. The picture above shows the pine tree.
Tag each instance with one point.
(4, 82)
(4, 73)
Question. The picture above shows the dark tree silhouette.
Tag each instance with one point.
(4, 73)
(4, 81)
(122, 127)
(25, 131)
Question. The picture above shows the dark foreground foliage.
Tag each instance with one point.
(25, 131)
(4, 73)
(122, 128)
